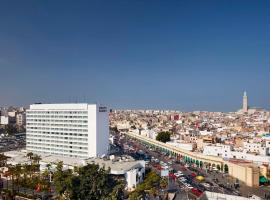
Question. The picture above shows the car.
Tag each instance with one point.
(206, 185)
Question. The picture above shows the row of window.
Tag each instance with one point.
(66, 139)
(57, 146)
(54, 151)
(57, 112)
(37, 134)
(52, 120)
(63, 125)
(56, 129)
(57, 116)
(57, 141)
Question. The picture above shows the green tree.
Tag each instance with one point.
(30, 155)
(164, 182)
(164, 136)
(62, 179)
(95, 182)
(3, 160)
(10, 129)
(150, 185)
(118, 191)
(88, 182)
(36, 159)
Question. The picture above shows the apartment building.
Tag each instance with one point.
(74, 130)
(20, 119)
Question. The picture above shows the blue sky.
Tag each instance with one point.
(185, 55)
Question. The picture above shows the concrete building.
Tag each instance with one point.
(74, 130)
(125, 167)
(181, 145)
(133, 171)
(245, 102)
(20, 119)
(258, 148)
(227, 152)
(4, 120)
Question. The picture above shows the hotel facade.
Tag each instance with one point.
(74, 130)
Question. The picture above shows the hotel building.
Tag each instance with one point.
(74, 130)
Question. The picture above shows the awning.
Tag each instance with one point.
(263, 179)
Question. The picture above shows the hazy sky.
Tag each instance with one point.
(185, 55)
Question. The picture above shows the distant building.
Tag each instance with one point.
(74, 130)
(245, 102)
(20, 119)
(4, 120)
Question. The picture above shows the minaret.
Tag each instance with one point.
(245, 102)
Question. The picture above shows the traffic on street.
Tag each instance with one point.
(185, 179)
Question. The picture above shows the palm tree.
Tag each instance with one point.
(49, 168)
(11, 172)
(3, 160)
(36, 159)
(18, 172)
(29, 155)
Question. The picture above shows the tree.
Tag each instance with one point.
(11, 172)
(10, 129)
(17, 173)
(118, 191)
(150, 185)
(36, 159)
(88, 182)
(29, 155)
(164, 182)
(61, 179)
(3, 160)
(95, 182)
(164, 136)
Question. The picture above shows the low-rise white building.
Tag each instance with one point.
(181, 145)
(227, 152)
(4, 120)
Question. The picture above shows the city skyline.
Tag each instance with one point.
(137, 55)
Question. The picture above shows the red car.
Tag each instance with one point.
(172, 176)
(196, 192)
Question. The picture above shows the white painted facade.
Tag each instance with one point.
(74, 130)
(4, 120)
(185, 146)
(227, 152)
(258, 148)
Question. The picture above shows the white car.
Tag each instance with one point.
(182, 179)
(206, 185)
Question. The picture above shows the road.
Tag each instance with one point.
(220, 182)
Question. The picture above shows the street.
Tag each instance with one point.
(214, 181)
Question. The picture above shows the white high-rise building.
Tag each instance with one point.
(75, 130)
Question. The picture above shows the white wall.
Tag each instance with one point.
(102, 130)
(131, 179)
(4, 120)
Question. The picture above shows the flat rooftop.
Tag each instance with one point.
(61, 106)
(118, 166)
